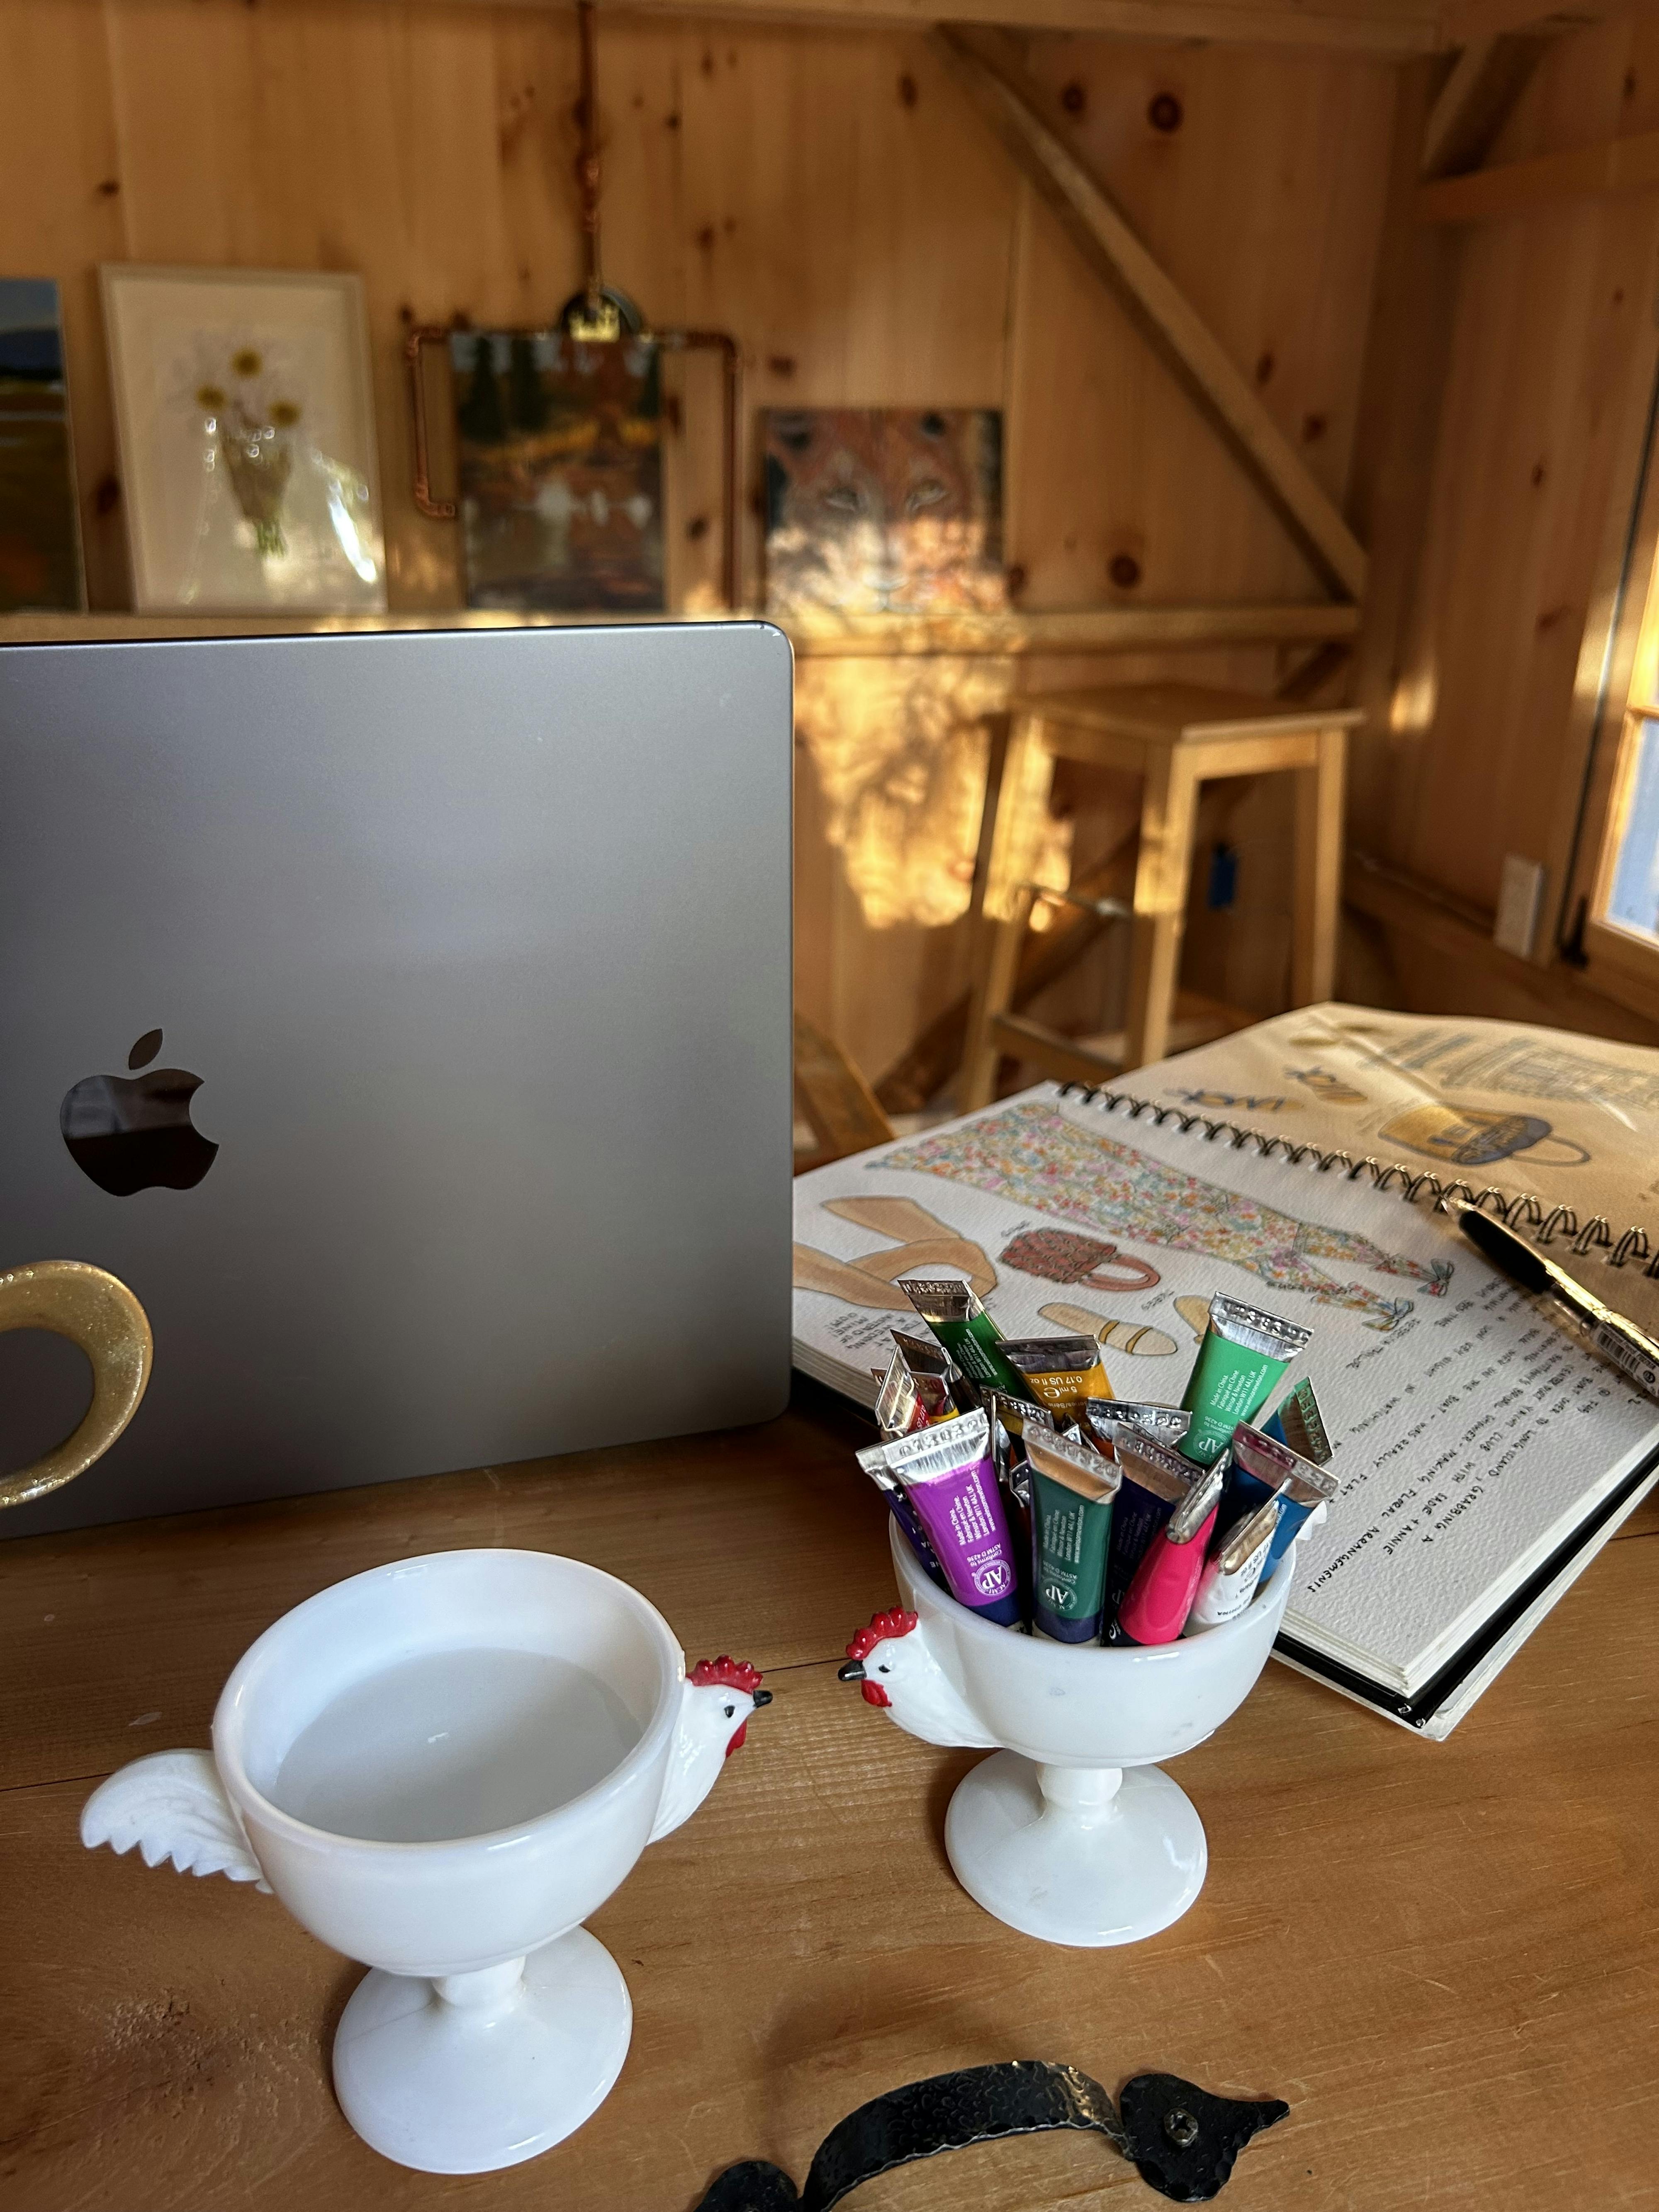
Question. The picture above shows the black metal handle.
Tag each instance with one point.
(1182, 2140)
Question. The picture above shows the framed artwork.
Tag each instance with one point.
(874, 510)
(245, 415)
(559, 455)
(40, 522)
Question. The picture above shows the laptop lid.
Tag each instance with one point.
(467, 1136)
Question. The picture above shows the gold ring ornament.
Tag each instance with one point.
(101, 1315)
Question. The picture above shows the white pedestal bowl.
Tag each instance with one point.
(441, 1767)
(1072, 1832)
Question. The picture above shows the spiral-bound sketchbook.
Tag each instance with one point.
(1484, 1453)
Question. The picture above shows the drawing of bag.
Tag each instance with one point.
(1476, 1136)
(1060, 1255)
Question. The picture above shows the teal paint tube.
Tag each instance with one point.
(1073, 1488)
(1241, 1356)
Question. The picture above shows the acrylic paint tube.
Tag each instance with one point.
(1073, 1488)
(1298, 1423)
(907, 1401)
(1262, 1466)
(947, 1475)
(1166, 1581)
(1232, 1577)
(898, 1408)
(1241, 1355)
(1012, 1419)
(874, 1465)
(928, 1360)
(1061, 1371)
(1156, 1478)
(962, 1325)
(1104, 1417)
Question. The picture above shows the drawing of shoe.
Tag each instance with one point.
(928, 1246)
(1388, 1313)
(1195, 1312)
(1127, 1336)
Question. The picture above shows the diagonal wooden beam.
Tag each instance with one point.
(1476, 100)
(1452, 103)
(1005, 98)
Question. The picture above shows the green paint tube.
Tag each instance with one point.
(1241, 1356)
(1072, 1492)
(967, 1331)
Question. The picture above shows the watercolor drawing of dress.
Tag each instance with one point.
(1034, 1156)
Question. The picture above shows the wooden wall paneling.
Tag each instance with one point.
(825, 193)
(1407, 349)
(63, 209)
(845, 223)
(1147, 480)
(1257, 180)
(1012, 105)
(1547, 317)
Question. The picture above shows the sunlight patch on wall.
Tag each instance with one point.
(899, 746)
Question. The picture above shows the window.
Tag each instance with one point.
(1614, 892)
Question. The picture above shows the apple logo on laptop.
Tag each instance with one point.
(134, 1132)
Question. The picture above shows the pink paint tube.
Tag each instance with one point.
(1166, 1581)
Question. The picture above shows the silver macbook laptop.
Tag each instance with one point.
(406, 1019)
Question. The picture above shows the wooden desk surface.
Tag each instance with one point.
(1442, 1955)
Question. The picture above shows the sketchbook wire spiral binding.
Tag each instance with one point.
(1522, 1211)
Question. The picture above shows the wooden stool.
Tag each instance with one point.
(1175, 736)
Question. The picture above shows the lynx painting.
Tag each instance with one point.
(873, 510)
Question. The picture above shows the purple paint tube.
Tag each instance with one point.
(872, 1461)
(947, 1474)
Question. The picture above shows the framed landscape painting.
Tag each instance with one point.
(39, 523)
(559, 443)
(245, 414)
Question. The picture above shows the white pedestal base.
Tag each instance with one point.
(503, 2070)
(1078, 1855)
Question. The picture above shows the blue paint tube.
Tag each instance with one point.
(902, 1511)
(1156, 1478)
(1263, 1468)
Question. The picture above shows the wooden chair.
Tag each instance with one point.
(837, 1103)
(1175, 737)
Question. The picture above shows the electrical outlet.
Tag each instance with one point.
(1222, 890)
(1519, 897)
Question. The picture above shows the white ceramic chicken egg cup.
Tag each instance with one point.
(492, 2024)
(1071, 1832)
